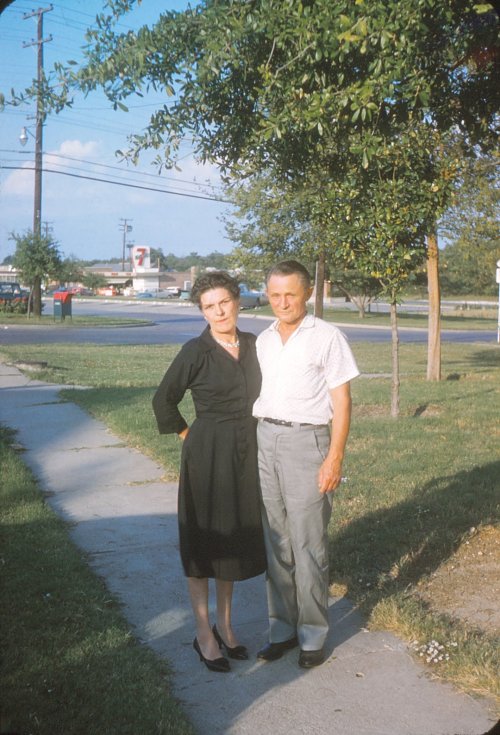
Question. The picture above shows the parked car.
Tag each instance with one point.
(168, 293)
(249, 298)
(144, 295)
(13, 298)
(81, 291)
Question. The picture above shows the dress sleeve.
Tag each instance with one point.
(171, 391)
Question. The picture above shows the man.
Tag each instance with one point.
(306, 367)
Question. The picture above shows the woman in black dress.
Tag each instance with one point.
(219, 505)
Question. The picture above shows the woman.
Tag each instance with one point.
(219, 507)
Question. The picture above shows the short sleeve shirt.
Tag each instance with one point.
(298, 375)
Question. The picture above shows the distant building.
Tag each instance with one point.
(141, 276)
(8, 274)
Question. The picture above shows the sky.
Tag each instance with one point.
(86, 217)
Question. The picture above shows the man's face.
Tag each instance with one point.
(288, 298)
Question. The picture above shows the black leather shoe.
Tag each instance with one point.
(239, 653)
(308, 659)
(220, 665)
(273, 651)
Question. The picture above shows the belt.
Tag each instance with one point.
(279, 422)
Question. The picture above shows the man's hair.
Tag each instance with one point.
(211, 280)
(289, 268)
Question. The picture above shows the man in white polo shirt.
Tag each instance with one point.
(306, 368)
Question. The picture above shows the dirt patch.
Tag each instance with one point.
(370, 411)
(467, 585)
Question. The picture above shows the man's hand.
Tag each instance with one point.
(329, 475)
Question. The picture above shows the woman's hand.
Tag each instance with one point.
(183, 434)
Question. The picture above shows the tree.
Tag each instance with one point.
(471, 228)
(93, 281)
(371, 222)
(71, 270)
(360, 289)
(37, 258)
(270, 223)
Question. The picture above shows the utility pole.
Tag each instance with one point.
(37, 208)
(47, 229)
(37, 205)
(124, 227)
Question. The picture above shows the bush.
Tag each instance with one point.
(16, 305)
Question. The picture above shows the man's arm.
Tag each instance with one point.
(330, 472)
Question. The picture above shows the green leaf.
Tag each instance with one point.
(483, 8)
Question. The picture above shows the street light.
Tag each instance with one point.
(23, 138)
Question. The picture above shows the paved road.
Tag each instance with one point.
(174, 323)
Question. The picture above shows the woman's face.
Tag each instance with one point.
(220, 309)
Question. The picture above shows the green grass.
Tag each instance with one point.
(47, 320)
(477, 319)
(70, 663)
(460, 319)
(416, 485)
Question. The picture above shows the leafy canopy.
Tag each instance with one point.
(37, 257)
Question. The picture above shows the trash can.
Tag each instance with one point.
(62, 305)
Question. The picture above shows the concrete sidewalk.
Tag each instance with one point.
(124, 517)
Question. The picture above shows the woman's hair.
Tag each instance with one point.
(289, 268)
(211, 280)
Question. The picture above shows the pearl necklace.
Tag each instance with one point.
(228, 344)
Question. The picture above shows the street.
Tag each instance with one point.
(177, 323)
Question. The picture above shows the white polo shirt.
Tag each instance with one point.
(298, 375)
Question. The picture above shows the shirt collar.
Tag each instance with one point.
(306, 323)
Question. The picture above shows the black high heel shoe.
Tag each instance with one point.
(220, 665)
(238, 652)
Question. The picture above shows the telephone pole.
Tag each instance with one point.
(40, 40)
(125, 227)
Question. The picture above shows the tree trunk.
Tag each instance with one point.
(37, 297)
(30, 303)
(320, 285)
(434, 328)
(395, 361)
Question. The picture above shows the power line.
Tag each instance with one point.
(120, 183)
(124, 172)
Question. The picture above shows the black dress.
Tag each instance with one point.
(220, 529)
